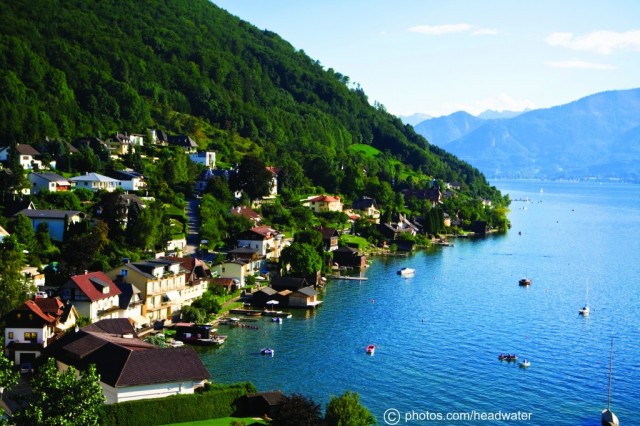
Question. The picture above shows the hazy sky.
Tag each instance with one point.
(441, 56)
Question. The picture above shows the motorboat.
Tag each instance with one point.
(371, 349)
(267, 351)
(584, 311)
(276, 319)
(508, 357)
(524, 281)
(406, 272)
(525, 363)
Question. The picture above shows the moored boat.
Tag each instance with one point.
(508, 357)
(608, 418)
(406, 271)
(371, 349)
(267, 351)
(525, 363)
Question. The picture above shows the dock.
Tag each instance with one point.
(256, 313)
(343, 277)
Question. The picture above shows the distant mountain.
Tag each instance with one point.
(442, 130)
(414, 119)
(492, 115)
(596, 136)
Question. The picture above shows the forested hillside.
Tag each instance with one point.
(77, 68)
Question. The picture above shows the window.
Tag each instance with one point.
(30, 335)
(11, 335)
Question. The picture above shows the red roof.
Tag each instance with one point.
(91, 285)
(264, 230)
(51, 305)
(326, 199)
(33, 307)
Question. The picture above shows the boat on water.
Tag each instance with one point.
(608, 417)
(524, 281)
(508, 357)
(585, 310)
(406, 272)
(525, 363)
(267, 351)
(276, 319)
(198, 334)
(371, 349)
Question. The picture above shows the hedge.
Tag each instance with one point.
(214, 402)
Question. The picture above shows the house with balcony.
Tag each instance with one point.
(120, 144)
(236, 269)
(48, 181)
(93, 294)
(323, 203)
(161, 282)
(33, 325)
(330, 238)
(129, 368)
(198, 276)
(96, 182)
(58, 221)
(266, 241)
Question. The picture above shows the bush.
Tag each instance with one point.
(215, 402)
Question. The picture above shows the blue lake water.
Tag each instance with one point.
(438, 334)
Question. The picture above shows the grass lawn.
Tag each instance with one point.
(224, 421)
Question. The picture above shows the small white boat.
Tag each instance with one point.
(267, 351)
(371, 349)
(406, 272)
(525, 363)
(276, 319)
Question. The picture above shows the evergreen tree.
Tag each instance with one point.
(297, 410)
(13, 287)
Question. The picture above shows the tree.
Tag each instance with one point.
(13, 288)
(62, 398)
(253, 178)
(9, 377)
(297, 410)
(301, 259)
(346, 410)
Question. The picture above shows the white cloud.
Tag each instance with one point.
(603, 42)
(485, 31)
(575, 63)
(441, 29)
(451, 28)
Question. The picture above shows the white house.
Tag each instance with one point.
(51, 182)
(93, 294)
(27, 156)
(130, 180)
(206, 158)
(323, 203)
(96, 182)
(33, 325)
(267, 242)
(129, 368)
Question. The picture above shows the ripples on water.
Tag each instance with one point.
(439, 333)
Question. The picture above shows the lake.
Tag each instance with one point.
(438, 334)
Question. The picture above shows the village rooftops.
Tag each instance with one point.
(48, 214)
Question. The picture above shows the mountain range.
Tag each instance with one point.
(595, 136)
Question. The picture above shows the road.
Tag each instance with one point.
(193, 226)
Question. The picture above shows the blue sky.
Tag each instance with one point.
(441, 56)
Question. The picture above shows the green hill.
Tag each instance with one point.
(76, 68)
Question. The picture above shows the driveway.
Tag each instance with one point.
(193, 226)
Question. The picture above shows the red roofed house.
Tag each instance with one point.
(93, 294)
(264, 239)
(34, 324)
(247, 212)
(323, 203)
(129, 368)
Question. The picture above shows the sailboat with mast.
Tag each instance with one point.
(586, 310)
(608, 417)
